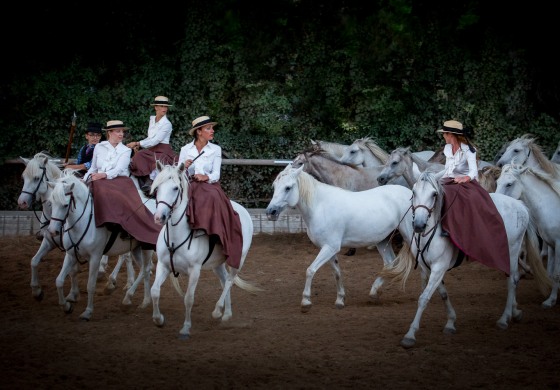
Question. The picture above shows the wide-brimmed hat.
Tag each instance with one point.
(453, 127)
(201, 121)
(94, 127)
(161, 101)
(112, 125)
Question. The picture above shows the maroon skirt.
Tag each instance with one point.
(117, 201)
(144, 161)
(474, 224)
(211, 210)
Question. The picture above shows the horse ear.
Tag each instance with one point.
(25, 160)
(313, 142)
(51, 185)
(159, 166)
(181, 167)
(45, 161)
(439, 174)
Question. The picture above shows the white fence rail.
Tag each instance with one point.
(25, 223)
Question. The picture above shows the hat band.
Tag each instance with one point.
(117, 126)
(202, 123)
(161, 102)
(452, 129)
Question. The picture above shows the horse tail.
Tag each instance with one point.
(245, 285)
(177, 286)
(535, 260)
(399, 269)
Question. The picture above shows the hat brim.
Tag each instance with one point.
(458, 132)
(191, 131)
(161, 104)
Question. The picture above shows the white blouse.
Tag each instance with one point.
(209, 163)
(113, 161)
(158, 132)
(462, 163)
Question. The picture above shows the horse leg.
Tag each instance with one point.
(385, 249)
(435, 279)
(103, 267)
(554, 257)
(223, 306)
(511, 310)
(91, 286)
(340, 293)
(74, 293)
(325, 254)
(67, 265)
(188, 299)
(162, 272)
(143, 274)
(46, 246)
(449, 327)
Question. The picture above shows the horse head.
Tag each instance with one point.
(171, 189)
(37, 173)
(427, 200)
(286, 191)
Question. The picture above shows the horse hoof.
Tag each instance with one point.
(350, 252)
(69, 308)
(305, 308)
(407, 343)
(39, 297)
(502, 325)
(184, 336)
(449, 330)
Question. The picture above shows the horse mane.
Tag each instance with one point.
(517, 170)
(370, 144)
(67, 178)
(171, 172)
(488, 176)
(34, 166)
(430, 177)
(332, 148)
(543, 161)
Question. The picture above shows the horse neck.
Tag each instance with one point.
(79, 216)
(178, 218)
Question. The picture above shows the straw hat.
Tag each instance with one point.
(161, 101)
(201, 121)
(453, 127)
(112, 125)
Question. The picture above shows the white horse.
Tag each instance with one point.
(73, 217)
(336, 217)
(184, 251)
(400, 163)
(525, 151)
(541, 193)
(38, 171)
(555, 158)
(436, 254)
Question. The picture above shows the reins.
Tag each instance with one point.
(171, 246)
(72, 204)
(34, 195)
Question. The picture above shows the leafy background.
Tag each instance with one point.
(275, 77)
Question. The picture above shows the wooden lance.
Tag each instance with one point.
(72, 128)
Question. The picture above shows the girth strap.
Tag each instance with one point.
(112, 239)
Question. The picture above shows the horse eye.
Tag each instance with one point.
(288, 189)
(394, 163)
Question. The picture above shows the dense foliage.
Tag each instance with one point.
(275, 78)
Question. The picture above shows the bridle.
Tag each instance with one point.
(171, 246)
(431, 232)
(34, 195)
(71, 206)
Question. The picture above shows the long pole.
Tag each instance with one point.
(72, 129)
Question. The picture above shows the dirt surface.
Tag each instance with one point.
(269, 343)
